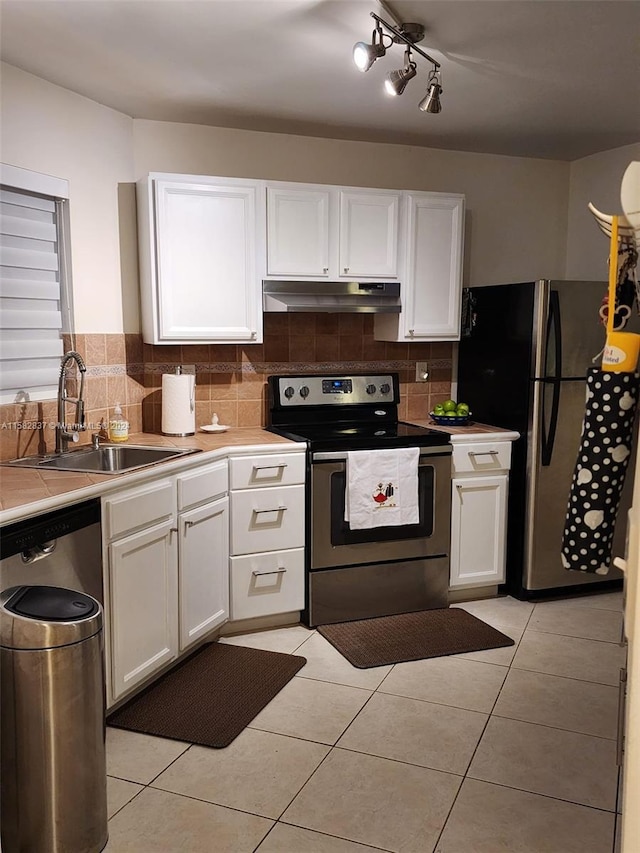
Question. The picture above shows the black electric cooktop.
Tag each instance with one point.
(359, 436)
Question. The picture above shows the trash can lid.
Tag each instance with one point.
(41, 617)
(52, 604)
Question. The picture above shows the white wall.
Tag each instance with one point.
(52, 130)
(594, 179)
(517, 207)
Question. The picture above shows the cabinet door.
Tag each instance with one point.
(143, 579)
(369, 234)
(297, 232)
(204, 570)
(432, 295)
(208, 289)
(478, 528)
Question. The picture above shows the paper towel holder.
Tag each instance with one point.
(185, 424)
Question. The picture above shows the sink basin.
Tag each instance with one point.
(108, 459)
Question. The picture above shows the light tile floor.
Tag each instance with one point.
(504, 750)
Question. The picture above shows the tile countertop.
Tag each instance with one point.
(471, 430)
(26, 491)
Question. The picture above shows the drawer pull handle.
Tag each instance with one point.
(483, 453)
(257, 574)
(267, 467)
(275, 509)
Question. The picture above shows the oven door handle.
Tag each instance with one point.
(334, 456)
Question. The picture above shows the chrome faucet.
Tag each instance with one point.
(64, 432)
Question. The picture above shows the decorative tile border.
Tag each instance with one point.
(268, 367)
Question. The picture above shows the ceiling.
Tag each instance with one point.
(536, 79)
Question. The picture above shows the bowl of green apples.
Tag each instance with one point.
(451, 413)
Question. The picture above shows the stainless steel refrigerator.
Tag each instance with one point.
(523, 366)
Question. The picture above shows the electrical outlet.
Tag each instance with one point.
(422, 371)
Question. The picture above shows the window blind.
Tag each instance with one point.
(30, 296)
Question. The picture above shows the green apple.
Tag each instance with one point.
(449, 405)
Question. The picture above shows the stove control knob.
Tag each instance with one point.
(371, 389)
(385, 388)
(304, 392)
(289, 392)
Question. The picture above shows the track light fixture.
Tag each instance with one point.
(364, 55)
(431, 101)
(397, 80)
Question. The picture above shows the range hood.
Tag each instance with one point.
(344, 297)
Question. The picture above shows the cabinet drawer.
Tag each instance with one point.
(139, 507)
(264, 584)
(203, 484)
(252, 472)
(267, 519)
(481, 458)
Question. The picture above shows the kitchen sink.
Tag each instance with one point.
(108, 459)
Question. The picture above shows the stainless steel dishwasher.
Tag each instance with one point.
(61, 548)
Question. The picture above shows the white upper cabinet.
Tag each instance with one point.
(432, 283)
(369, 234)
(200, 257)
(332, 232)
(297, 232)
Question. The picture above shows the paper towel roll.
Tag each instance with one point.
(178, 404)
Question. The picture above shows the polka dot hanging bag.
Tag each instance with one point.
(605, 448)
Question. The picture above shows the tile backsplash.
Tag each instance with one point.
(230, 379)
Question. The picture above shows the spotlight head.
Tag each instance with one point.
(431, 101)
(364, 55)
(397, 80)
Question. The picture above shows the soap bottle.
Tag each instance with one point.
(118, 426)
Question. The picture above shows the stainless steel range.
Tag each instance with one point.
(355, 573)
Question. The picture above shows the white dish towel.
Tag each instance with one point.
(382, 488)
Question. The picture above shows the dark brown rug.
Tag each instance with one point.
(412, 636)
(210, 697)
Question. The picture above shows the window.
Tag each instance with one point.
(35, 305)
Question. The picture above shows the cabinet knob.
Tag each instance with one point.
(325, 269)
(410, 333)
(458, 486)
(346, 269)
(254, 335)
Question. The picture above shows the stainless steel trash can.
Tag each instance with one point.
(52, 729)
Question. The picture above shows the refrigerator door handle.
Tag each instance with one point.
(553, 326)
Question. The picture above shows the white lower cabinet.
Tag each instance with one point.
(204, 583)
(167, 550)
(267, 583)
(143, 592)
(267, 535)
(479, 512)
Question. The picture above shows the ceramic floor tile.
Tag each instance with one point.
(492, 819)
(293, 839)
(542, 760)
(159, 822)
(587, 660)
(284, 640)
(447, 681)
(417, 732)
(503, 611)
(137, 757)
(502, 656)
(564, 703)
(119, 793)
(386, 804)
(259, 772)
(327, 664)
(584, 622)
(596, 601)
(314, 710)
